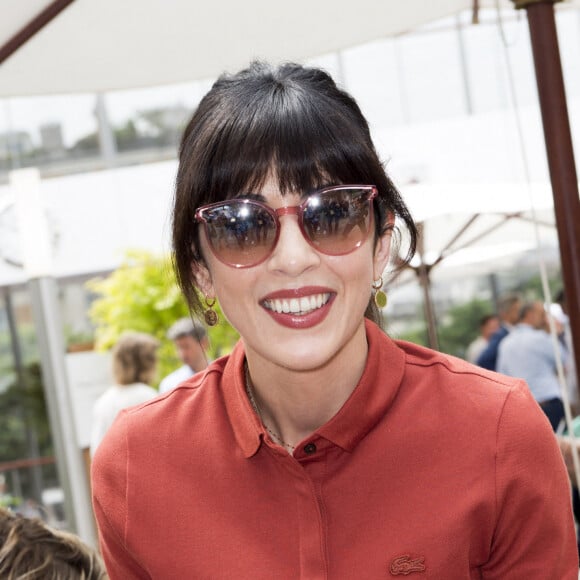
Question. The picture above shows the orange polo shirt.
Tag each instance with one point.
(433, 468)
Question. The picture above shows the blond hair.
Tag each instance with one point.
(135, 358)
(31, 550)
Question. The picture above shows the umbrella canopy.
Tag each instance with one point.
(89, 46)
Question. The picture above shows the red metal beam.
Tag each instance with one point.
(560, 153)
(20, 463)
(30, 29)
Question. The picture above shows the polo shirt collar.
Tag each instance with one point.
(368, 403)
(248, 429)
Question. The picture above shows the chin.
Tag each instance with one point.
(306, 357)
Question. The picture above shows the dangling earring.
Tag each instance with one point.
(210, 315)
(380, 296)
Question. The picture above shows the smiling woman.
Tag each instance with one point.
(320, 448)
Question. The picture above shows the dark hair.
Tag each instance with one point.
(485, 319)
(290, 119)
(30, 549)
(528, 307)
(506, 303)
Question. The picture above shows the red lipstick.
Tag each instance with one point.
(293, 319)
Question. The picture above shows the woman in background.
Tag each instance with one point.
(134, 368)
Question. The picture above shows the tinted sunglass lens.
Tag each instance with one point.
(241, 233)
(337, 222)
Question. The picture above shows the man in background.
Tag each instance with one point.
(191, 343)
(508, 311)
(488, 325)
(528, 353)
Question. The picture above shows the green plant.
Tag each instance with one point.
(532, 289)
(23, 409)
(461, 326)
(456, 329)
(142, 295)
(76, 337)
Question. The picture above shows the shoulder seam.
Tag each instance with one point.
(506, 381)
(163, 396)
(496, 454)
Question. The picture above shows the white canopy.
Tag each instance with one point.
(103, 45)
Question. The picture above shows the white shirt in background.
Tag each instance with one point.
(111, 402)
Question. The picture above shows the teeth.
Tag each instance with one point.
(298, 306)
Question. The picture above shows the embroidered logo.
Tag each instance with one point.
(405, 565)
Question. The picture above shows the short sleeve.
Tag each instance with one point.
(534, 536)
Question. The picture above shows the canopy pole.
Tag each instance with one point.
(35, 25)
(423, 271)
(424, 281)
(560, 153)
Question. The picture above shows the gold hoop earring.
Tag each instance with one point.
(379, 296)
(210, 315)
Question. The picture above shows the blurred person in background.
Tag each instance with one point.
(528, 353)
(488, 325)
(509, 307)
(191, 344)
(134, 369)
(559, 311)
(31, 550)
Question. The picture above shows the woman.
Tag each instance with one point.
(134, 368)
(320, 448)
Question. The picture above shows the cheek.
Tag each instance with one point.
(234, 289)
(360, 265)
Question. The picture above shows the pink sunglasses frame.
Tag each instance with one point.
(297, 210)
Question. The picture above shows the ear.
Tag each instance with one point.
(383, 248)
(203, 279)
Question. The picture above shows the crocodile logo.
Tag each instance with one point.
(405, 565)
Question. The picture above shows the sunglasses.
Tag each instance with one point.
(243, 232)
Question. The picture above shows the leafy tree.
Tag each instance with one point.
(89, 142)
(142, 295)
(24, 429)
(126, 136)
(456, 329)
(532, 288)
(461, 326)
(415, 335)
(22, 406)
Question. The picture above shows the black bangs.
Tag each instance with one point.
(276, 127)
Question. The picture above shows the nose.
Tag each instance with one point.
(292, 255)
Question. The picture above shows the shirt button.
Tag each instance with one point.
(310, 448)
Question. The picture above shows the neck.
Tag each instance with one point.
(198, 364)
(295, 403)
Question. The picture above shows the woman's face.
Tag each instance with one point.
(332, 293)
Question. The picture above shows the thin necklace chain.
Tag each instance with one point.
(250, 393)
